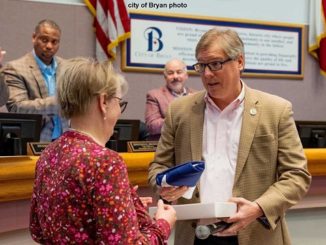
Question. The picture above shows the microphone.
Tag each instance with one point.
(204, 231)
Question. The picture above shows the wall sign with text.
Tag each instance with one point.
(271, 49)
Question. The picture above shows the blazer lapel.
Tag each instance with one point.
(168, 97)
(250, 120)
(40, 82)
(196, 126)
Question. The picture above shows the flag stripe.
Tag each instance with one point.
(102, 38)
(124, 16)
(112, 12)
(112, 25)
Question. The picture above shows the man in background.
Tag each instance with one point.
(2, 54)
(3, 86)
(31, 80)
(248, 138)
(158, 100)
(3, 93)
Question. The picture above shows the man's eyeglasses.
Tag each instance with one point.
(123, 104)
(213, 66)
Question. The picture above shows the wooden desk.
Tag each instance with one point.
(17, 173)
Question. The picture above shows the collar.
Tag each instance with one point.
(49, 69)
(184, 92)
(235, 103)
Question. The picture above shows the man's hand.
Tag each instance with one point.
(146, 201)
(172, 193)
(246, 214)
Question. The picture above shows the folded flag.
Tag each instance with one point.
(186, 174)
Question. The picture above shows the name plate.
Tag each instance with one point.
(36, 148)
(142, 146)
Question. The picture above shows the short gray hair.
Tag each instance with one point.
(178, 60)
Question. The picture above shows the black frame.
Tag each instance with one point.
(312, 133)
(118, 142)
(12, 142)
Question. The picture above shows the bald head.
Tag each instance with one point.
(175, 62)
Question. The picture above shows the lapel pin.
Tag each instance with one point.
(253, 111)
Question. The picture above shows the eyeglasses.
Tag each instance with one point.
(123, 104)
(213, 66)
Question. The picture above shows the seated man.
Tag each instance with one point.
(158, 100)
(3, 93)
(2, 54)
(31, 80)
(3, 86)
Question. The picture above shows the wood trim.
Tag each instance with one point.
(316, 161)
(17, 173)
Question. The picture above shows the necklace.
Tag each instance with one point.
(86, 134)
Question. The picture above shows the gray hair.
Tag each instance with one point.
(177, 60)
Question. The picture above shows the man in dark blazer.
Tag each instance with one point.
(158, 100)
(248, 138)
(31, 80)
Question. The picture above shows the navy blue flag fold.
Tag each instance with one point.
(186, 174)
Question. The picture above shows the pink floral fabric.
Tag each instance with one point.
(82, 195)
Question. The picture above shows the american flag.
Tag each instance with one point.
(317, 32)
(112, 25)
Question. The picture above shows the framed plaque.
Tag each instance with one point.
(142, 146)
(271, 49)
(36, 148)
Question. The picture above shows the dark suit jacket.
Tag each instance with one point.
(271, 165)
(28, 92)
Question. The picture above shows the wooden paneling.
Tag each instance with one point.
(17, 173)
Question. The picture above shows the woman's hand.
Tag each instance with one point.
(166, 212)
(145, 200)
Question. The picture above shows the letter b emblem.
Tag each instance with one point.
(153, 36)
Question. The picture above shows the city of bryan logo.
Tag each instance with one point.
(153, 36)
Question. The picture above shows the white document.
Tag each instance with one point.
(202, 210)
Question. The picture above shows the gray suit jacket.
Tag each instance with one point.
(4, 94)
(271, 165)
(28, 92)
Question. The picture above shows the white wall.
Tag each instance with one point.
(294, 11)
(58, 1)
(275, 11)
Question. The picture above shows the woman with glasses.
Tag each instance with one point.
(81, 192)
